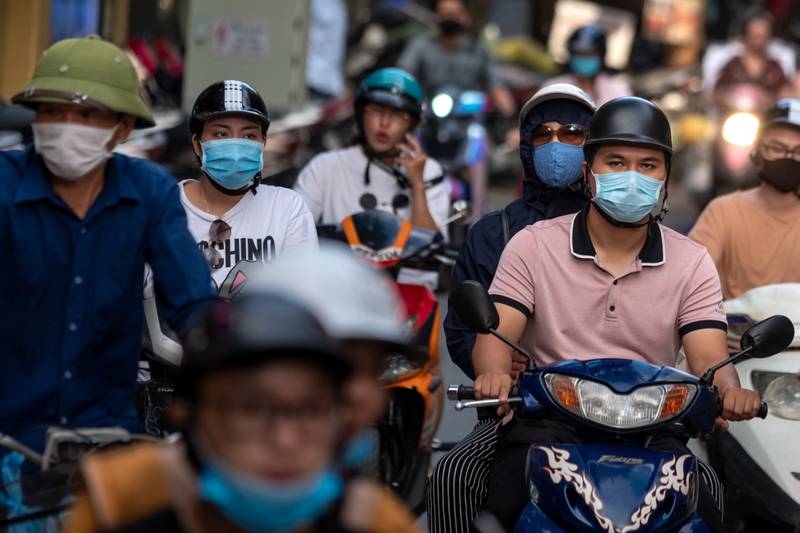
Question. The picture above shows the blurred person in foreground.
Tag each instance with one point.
(261, 406)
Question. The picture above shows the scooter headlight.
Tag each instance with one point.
(398, 366)
(781, 391)
(740, 129)
(641, 407)
(442, 104)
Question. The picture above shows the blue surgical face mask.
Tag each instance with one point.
(558, 164)
(627, 196)
(585, 66)
(257, 505)
(232, 163)
(358, 451)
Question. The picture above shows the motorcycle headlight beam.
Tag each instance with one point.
(442, 105)
(740, 129)
(641, 407)
(781, 391)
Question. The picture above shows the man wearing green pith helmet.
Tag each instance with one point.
(78, 224)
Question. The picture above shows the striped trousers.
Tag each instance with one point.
(459, 482)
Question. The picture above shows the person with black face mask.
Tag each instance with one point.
(453, 58)
(753, 236)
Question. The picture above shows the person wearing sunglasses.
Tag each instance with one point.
(78, 222)
(552, 127)
(753, 236)
(261, 405)
(609, 281)
(233, 216)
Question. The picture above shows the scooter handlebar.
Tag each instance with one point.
(460, 392)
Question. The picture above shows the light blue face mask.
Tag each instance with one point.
(627, 196)
(232, 163)
(585, 66)
(256, 505)
(358, 451)
(558, 164)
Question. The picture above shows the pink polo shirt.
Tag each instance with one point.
(550, 272)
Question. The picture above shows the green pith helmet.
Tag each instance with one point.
(87, 71)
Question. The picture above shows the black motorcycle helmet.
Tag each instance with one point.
(253, 329)
(228, 97)
(587, 40)
(629, 120)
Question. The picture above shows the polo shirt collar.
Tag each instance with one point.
(652, 252)
(35, 184)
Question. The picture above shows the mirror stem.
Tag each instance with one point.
(708, 377)
(517, 348)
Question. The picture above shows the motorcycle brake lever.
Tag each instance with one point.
(494, 402)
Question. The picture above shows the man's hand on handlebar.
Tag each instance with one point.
(738, 404)
(494, 385)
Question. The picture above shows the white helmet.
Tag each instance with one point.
(557, 91)
(350, 299)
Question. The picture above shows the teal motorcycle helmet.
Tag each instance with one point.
(390, 87)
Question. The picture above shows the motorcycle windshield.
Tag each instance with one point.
(376, 229)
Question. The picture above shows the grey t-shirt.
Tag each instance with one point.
(466, 67)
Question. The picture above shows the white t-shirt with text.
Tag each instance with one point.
(265, 225)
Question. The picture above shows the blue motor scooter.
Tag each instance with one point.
(616, 484)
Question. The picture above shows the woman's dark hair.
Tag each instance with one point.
(751, 14)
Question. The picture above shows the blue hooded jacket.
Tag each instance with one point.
(486, 239)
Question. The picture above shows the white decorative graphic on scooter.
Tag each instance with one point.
(559, 468)
(675, 478)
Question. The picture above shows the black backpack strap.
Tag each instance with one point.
(504, 222)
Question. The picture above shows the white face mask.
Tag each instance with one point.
(71, 150)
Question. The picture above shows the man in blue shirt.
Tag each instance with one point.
(78, 224)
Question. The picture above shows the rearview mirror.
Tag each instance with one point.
(768, 337)
(473, 307)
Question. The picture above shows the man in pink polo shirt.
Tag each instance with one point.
(607, 282)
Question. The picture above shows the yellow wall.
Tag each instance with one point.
(24, 34)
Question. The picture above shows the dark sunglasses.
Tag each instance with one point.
(568, 134)
(218, 232)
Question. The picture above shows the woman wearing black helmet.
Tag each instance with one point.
(587, 52)
(232, 216)
(623, 261)
(261, 410)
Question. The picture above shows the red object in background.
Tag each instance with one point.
(170, 57)
(779, 8)
(145, 53)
